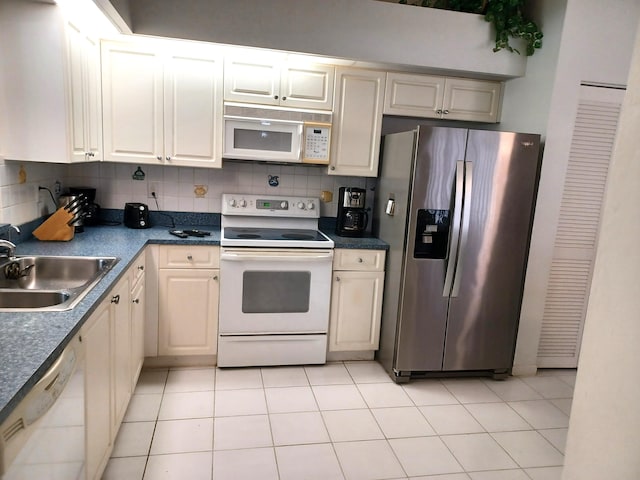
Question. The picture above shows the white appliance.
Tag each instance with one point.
(272, 134)
(275, 282)
(44, 436)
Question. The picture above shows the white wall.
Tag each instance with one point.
(603, 440)
(363, 30)
(596, 46)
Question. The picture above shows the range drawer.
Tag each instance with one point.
(349, 259)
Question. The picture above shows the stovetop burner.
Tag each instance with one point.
(279, 234)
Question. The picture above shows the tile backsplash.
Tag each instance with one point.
(176, 186)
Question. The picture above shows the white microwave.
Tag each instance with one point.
(276, 134)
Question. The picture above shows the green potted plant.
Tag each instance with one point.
(506, 16)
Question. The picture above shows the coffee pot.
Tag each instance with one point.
(352, 215)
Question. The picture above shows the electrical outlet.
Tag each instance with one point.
(153, 187)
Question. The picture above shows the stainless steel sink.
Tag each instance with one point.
(52, 283)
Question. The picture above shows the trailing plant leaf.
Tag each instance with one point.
(505, 15)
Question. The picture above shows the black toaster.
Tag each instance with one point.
(136, 215)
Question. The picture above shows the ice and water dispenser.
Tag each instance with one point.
(432, 234)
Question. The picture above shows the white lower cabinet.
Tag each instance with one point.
(188, 291)
(356, 300)
(138, 308)
(113, 344)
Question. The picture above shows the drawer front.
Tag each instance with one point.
(189, 256)
(347, 259)
(137, 269)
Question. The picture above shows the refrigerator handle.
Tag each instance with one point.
(455, 229)
(466, 219)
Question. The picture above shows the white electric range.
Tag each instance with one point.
(275, 281)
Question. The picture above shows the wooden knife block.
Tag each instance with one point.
(56, 228)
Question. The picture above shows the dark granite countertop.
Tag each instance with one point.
(31, 341)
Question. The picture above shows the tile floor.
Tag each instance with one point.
(341, 421)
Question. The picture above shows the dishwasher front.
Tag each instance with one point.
(44, 437)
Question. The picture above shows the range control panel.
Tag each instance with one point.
(270, 205)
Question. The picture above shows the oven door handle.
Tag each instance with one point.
(252, 257)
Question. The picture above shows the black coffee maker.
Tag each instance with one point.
(352, 214)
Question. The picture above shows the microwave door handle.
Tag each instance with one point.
(455, 229)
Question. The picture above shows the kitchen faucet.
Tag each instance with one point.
(10, 247)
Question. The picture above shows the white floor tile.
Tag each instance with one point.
(499, 475)
(529, 449)
(400, 422)
(563, 404)
(309, 462)
(238, 378)
(380, 395)
(143, 408)
(557, 437)
(448, 476)
(194, 466)
(478, 451)
(512, 389)
(549, 387)
(470, 390)
(290, 399)
(247, 464)
(351, 425)
(180, 436)
(368, 460)
(248, 431)
(284, 377)
(151, 381)
(191, 380)
(181, 405)
(424, 456)
(429, 392)
(240, 402)
(298, 428)
(338, 397)
(329, 374)
(126, 468)
(545, 473)
(451, 419)
(134, 439)
(541, 414)
(367, 372)
(497, 417)
(568, 378)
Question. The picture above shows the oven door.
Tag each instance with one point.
(274, 291)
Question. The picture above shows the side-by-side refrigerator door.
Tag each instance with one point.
(431, 239)
(500, 175)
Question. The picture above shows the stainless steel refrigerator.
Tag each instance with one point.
(455, 206)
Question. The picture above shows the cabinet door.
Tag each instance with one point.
(307, 86)
(252, 82)
(356, 307)
(472, 100)
(93, 98)
(95, 335)
(413, 95)
(121, 347)
(357, 122)
(138, 306)
(132, 103)
(77, 93)
(193, 111)
(188, 311)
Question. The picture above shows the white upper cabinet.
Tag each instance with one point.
(162, 104)
(278, 82)
(357, 122)
(448, 98)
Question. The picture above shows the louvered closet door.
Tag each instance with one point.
(575, 245)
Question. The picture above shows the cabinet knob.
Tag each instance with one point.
(190, 257)
(275, 96)
(332, 167)
(140, 267)
(337, 279)
(115, 299)
(168, 158)
(215, 277)
(159, 157)
(359, 260)
(445, 112)
(284, 98)
(136, 300)
(439, 111)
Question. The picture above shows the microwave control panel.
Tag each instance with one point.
(316, 140)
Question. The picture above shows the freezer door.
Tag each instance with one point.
(423, 304)
(484, 308)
